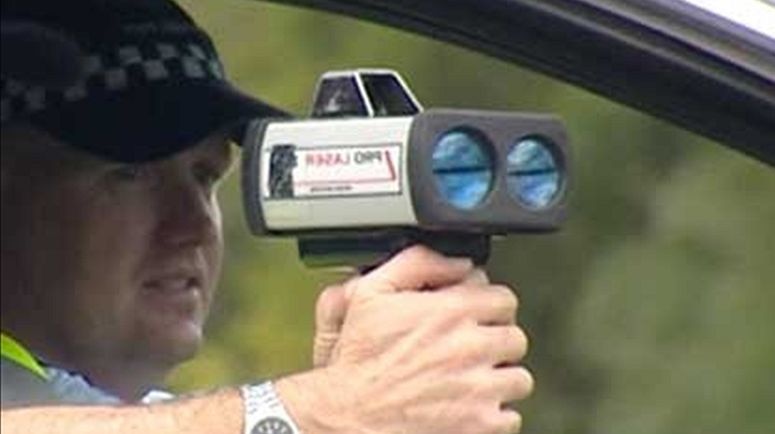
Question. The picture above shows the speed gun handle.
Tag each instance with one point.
(365, 251)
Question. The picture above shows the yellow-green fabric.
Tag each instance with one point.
(13, 350)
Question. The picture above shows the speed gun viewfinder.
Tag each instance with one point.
(370, 172)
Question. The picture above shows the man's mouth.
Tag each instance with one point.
(181, 292)
(172, 284)
(174, 300)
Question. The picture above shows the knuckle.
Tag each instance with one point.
(468, 348)
(526, 382)
(520, 336)
(486, 421)
(419, 252)
(520, 341)
(350, 287)
(479, 275)
(498, 421)
(513, 339)
(472, 342)
(325, 298)
(512, 422)
(520, 383)
(509, 299)
(514, 301)
(328, 292)
(456, 303)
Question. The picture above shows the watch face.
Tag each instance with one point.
(272, 425)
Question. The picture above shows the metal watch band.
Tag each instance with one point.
(264, 412)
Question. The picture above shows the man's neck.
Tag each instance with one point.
(127, 381)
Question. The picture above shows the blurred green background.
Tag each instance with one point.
(651, 312)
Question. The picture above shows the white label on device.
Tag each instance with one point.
(347, 171)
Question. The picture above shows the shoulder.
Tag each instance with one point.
(21, 387)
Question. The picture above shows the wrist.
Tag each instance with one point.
(312, 400)
(264, 411)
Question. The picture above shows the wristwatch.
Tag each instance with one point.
(264, 412)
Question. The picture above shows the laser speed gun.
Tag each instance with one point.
(371, 172)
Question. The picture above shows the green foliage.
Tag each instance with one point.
(648, 313)
(679, 317)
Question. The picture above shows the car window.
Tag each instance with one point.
(648, 313)
(756, 15)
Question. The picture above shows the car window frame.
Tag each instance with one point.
(651, 55)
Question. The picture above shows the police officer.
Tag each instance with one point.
(117, 123)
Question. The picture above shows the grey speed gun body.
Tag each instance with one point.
(371, 172)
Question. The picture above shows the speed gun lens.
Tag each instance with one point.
(533, 176)
(462, 168)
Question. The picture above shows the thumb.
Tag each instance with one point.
(330, 312)
(417, 268)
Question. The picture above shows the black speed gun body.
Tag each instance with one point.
(371, 172)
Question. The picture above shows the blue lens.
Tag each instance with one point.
(533, 176)
(463, 168)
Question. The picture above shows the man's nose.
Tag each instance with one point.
(190, 215)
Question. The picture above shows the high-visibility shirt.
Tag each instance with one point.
(25, 381)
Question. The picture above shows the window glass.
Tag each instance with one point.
(338, 97)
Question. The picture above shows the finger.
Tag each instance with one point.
(330, 313)
(487, 305)
(509, 421)
(506, 345)
(512, 383)
(417, 268)
(477, 276)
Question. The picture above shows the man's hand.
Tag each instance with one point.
(426, 345)
(330, 312)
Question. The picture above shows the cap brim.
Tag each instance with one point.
(154, 121)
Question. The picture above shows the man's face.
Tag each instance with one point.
(118, 261)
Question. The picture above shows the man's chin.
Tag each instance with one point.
(174, 344)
